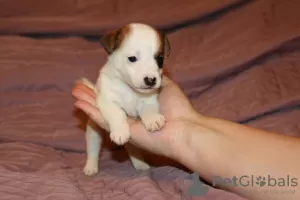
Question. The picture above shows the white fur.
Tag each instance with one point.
(120, 93)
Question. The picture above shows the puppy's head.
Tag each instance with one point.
(137, 52)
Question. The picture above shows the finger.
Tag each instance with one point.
(84, 96)
(87, 83)
(86, 89)
(92, 112)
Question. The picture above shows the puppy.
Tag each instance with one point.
(128, 85)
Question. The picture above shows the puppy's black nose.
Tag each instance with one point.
(150, 81)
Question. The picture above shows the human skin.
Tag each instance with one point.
(211, 146)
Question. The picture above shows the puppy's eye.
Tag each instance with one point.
(132, 59)
(160, 61)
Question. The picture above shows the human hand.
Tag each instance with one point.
(179, 114)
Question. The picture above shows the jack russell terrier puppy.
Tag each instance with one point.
(128, 85)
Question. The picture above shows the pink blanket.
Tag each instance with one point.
(240, 65)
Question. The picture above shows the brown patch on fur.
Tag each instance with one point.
(163, 50)
(113, 40)
(164, 45)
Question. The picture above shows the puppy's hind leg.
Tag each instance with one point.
(93, 145)
(136, 157)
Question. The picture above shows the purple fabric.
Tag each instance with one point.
(229, 43)
(244, 67)
(29, 171)
(92, 17)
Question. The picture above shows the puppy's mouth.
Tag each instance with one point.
(146, 89)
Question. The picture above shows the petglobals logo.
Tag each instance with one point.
(250, 181)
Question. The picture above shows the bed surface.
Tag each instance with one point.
(240, 65)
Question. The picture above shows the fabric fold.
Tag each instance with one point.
(205, 52)
(90, 17)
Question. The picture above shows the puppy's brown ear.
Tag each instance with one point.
(167, 46)
(113, 40)
(109, 41)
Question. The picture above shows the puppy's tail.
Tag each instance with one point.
(88, 83)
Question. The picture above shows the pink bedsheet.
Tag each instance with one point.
(93, 17)
(242, 66)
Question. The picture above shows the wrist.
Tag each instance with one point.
(203, 150)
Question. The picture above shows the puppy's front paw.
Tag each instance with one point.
(120, 136)
(91, 168)
(153, 122)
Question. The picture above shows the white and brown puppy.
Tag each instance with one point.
(128, 85)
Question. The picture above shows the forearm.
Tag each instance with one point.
(226, 149)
